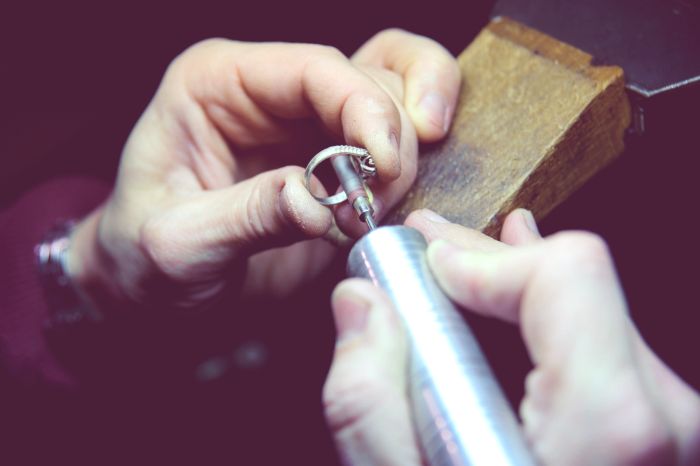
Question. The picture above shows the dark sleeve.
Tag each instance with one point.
(24, 220)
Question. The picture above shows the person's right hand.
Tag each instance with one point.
(597, 395)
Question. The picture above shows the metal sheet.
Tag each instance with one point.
(656, 42)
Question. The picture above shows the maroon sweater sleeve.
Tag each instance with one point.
(24, 350)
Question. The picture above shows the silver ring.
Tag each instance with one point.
(363, 158)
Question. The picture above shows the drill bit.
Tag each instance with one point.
(369, 220)
(352, 184)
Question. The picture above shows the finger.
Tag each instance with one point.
(564, 292)
(561, 290)
(432, 77)
(202, 234)
(386, 195)
(247, 90)
(365, 394)
(434, 227)
(520, 228)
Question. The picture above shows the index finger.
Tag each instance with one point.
(431, 77)
(248, 90)
(434, 227)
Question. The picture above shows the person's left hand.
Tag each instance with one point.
(210, 197)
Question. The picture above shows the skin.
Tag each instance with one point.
(597, 395)
(209, 200)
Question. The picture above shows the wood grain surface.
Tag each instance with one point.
(535, 120)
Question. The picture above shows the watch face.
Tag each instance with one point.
(66, 308)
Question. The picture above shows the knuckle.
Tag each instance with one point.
(205, 44)
(643, 436)
(196, 50)
(326, 51)
(189, 54)
(650, 443)
(392, 34)
(320, 58)
(580, 248)
(629, 428)
(158, 245)
(189, 59)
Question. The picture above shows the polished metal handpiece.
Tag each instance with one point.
(460, 413)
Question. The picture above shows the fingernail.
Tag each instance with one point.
(432, 216)
(435, 107)
(351, 312)
(447, 121)
(530, 221)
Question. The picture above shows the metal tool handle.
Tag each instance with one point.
(460, 413)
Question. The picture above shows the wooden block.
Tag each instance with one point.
(535, 120)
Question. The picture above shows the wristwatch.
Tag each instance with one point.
(66, 307)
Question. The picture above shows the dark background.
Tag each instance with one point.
(74, 79)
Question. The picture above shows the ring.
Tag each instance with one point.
(359, 156)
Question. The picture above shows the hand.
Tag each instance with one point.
(209, 198)
(597, 395)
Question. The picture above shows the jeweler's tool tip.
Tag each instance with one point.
(369, 220)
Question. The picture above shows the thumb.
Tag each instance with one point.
(365, 396)
(269, 210)
(563, 290)
(211, 229)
